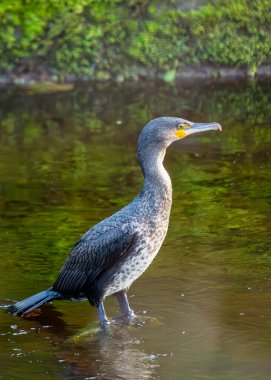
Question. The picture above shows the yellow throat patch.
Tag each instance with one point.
(180, 133)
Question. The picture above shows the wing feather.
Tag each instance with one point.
(90, 257)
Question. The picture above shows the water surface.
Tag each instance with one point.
(68, 160)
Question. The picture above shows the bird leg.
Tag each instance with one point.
(124, 304)
(102, 316)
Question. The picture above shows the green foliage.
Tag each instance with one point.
(126, 38)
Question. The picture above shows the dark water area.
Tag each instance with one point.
(68, 160)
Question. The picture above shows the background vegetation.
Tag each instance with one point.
(116, 38)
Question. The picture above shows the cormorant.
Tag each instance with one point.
(115, 252)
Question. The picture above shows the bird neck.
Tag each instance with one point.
(156, 179)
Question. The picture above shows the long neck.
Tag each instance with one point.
(156, 179)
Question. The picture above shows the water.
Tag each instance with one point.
(68, 160)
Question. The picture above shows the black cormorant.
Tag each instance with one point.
(116, 251)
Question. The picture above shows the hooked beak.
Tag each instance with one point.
(202, 127)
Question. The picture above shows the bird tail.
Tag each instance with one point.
(26, 306)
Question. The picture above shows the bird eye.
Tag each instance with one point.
(179, 126)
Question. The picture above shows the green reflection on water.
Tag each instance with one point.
(68, 160)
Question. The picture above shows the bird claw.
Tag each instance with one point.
(131, 315)
(126, 318)
(105, 322)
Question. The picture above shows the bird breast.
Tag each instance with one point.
(151, 235)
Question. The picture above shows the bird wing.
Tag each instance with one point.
(90, 257)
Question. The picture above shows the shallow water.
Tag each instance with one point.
(68, 160)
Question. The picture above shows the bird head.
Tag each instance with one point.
(166, 130)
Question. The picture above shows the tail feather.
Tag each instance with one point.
(25, 306)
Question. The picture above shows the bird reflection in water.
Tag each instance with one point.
(110, 353)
